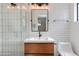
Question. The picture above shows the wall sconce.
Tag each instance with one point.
(15, 6)
(39, 6)
(12, 5)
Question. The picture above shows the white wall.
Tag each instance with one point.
(59, 29)
(74, 32)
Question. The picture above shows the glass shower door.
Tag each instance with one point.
(13, 29)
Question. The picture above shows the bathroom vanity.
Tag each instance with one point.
(39, 23)
(39, 47)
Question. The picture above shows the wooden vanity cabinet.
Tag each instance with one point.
(39, 49)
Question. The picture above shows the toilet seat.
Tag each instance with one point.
(62, 53)
(65, 49)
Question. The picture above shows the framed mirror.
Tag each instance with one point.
(39, 18)
(77, 11)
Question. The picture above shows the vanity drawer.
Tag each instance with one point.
(45, 48)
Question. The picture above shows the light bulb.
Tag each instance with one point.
(42, 7)
(23, 7)
(8, 6)
(18, 7)
(33, 7)
(37, 7)
(46, 7)
(13, 7)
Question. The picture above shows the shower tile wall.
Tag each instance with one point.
(14, 30)
(11, 31)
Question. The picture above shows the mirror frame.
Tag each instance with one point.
(46, 23)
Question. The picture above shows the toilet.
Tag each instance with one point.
(65, 49)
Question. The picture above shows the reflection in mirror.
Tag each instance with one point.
(39, 20)
(42, 23)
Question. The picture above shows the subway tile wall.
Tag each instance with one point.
(12, 42)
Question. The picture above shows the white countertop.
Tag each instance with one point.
(41, 40)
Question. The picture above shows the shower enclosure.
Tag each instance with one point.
(13, 28)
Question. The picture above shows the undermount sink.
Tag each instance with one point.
(41, 40)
